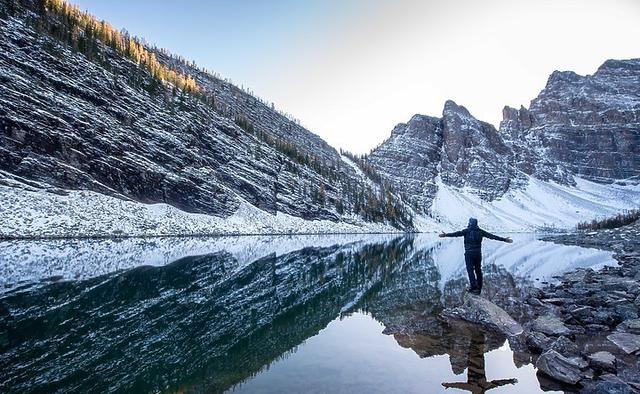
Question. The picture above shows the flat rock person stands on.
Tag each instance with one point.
(473, 251)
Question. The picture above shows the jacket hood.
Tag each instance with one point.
(473, 222)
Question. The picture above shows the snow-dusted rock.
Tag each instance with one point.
(550, 325)
(590, 125)
(629, 343)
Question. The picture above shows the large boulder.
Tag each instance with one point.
(484, 312)
(559, 367)
(566, 347)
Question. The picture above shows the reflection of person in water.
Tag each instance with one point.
(476, 377)
(473, 251)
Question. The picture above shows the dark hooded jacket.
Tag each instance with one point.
(473, 237)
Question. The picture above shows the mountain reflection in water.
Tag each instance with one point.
(211, 321)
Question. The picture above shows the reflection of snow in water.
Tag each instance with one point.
(527, 257)
(35, 260)
(32, 261)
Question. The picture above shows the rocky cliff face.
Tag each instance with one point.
(589, 125)
(69, 121)
(410, 157)
(457, 149)
(585, 126)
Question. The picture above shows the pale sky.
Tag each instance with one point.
(351, 70)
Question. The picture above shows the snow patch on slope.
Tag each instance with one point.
(539, 205)
(37, 213)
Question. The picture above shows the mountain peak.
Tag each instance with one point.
(451, 105)
(620, 66)
(453, 109)
(558, 77)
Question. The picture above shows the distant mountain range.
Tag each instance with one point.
(103, 135)
(574, 154)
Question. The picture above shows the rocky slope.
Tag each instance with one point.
(68, 122)
(589, 125)
(581, 131)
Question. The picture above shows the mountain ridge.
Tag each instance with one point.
(110, 126)
(98, 125)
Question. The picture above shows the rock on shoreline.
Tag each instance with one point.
(484, 312)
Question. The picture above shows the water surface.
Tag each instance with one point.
(263, 314)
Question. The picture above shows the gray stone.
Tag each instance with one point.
(622, 284)
(625, 311)
(604, 317)
(565, 346)
(631, 326)
(534, 292)
(581, 363)
(578, 276)
(596, 328)
(629, 343)
(603, 361)
(537, 342)
(583, 314)
(535, 302)
(559, 367)
(550, 325)
(484, 312)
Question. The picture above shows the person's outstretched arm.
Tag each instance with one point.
(487, 234)
(454, 234)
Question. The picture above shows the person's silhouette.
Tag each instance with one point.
(476, 377)
(473, 236)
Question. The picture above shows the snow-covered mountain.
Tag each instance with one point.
(573, 155)
(103, 135)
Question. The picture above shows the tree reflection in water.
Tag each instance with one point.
(206, 322)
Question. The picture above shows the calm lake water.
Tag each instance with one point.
(263, 314)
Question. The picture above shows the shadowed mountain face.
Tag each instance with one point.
(210, 321)
(75, 119)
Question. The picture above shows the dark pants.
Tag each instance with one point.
(473, 261)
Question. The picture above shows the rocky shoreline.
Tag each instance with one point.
(586, 334)
(587, 330)
(582, 332)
